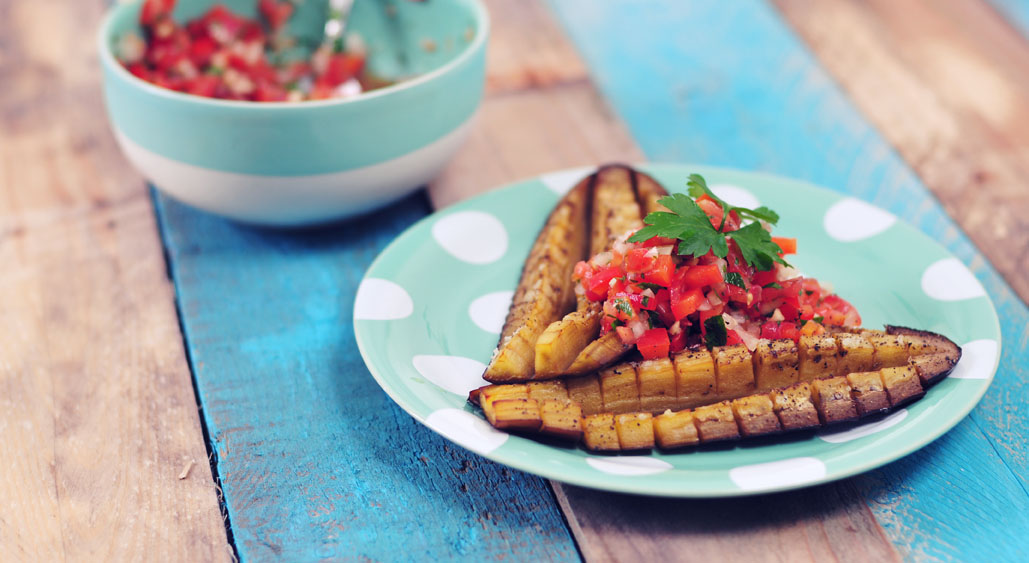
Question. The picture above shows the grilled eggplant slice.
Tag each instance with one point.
(619, 204)
(545, 291)
(799, 406)
(732, 377)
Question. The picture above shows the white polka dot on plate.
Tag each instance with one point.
(776, 474)
(629, 465)
(735, 195)
(490, 311)
(841, 436)
(456, 374)
(475, 237)
(949, 280)
(977, 360)
(562, 181)
(381, 300)
(852, 220)
(467, 430)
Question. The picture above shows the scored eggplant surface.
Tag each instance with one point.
(549, 332)
(701, 396)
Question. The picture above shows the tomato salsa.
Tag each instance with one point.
(224, 55)
(661, 296)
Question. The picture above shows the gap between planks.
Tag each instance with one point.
(542, 113)
(98, 409)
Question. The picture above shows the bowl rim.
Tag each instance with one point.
(108, 60)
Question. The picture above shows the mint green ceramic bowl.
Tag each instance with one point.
(307, 162)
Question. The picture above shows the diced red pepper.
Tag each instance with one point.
(342, 67)
(598, 283)
(154, 10)
(204, 85)
(654, 344)
(636, 260)
(275, 13)
(685, 303)
(661, 272)
(701, 276)
(788, 245)
(658, 241)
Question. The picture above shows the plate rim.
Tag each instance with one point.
(601, 481)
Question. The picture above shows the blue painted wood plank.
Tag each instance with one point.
(315, 460)
(1015, 11)
(729, 84)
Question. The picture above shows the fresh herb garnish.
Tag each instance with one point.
(645, 301)
(652, 319)
(714, 332)
(617, 323)
(624, 306)
(686, 221)
(773, 285)
(698, 187)
(736, 279)
(651, 286)
(818, 319)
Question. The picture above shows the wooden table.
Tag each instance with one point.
(177, 387)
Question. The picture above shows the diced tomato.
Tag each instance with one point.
(732, 338)
(700, 276)
(636, 260)
(788, 245)
(625, 335)
(201, 50)
(677, 342)
(154, 10)
(764, 278)
(139, 70)
(661, 271)
(664, 308)
(275, 13)
(203, 85)
(643, 302)
(658, 241)
(789, 330)
(654, 344)
(598, 283)
(714, 311)
(711, 209)
(269, 92)
(685, 303)
(342, 67)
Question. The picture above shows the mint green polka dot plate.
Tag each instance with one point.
(429, 311)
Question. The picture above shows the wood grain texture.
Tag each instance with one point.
(97, 412)
(825, 523)
(948, 85)
(763, 103)
(316, 461)
(540, 113)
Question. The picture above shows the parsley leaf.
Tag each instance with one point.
(651, 286)
(735, 279)
(773, 285)
(698, 187)
(714, 332)
(757, 247)
(624, 306)
(686, 222)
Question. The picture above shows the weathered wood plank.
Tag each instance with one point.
(731, 85)
(97, 412)
(315, 460)
(541, 113)
(948, 85)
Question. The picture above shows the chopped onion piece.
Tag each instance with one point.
(777, 316)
